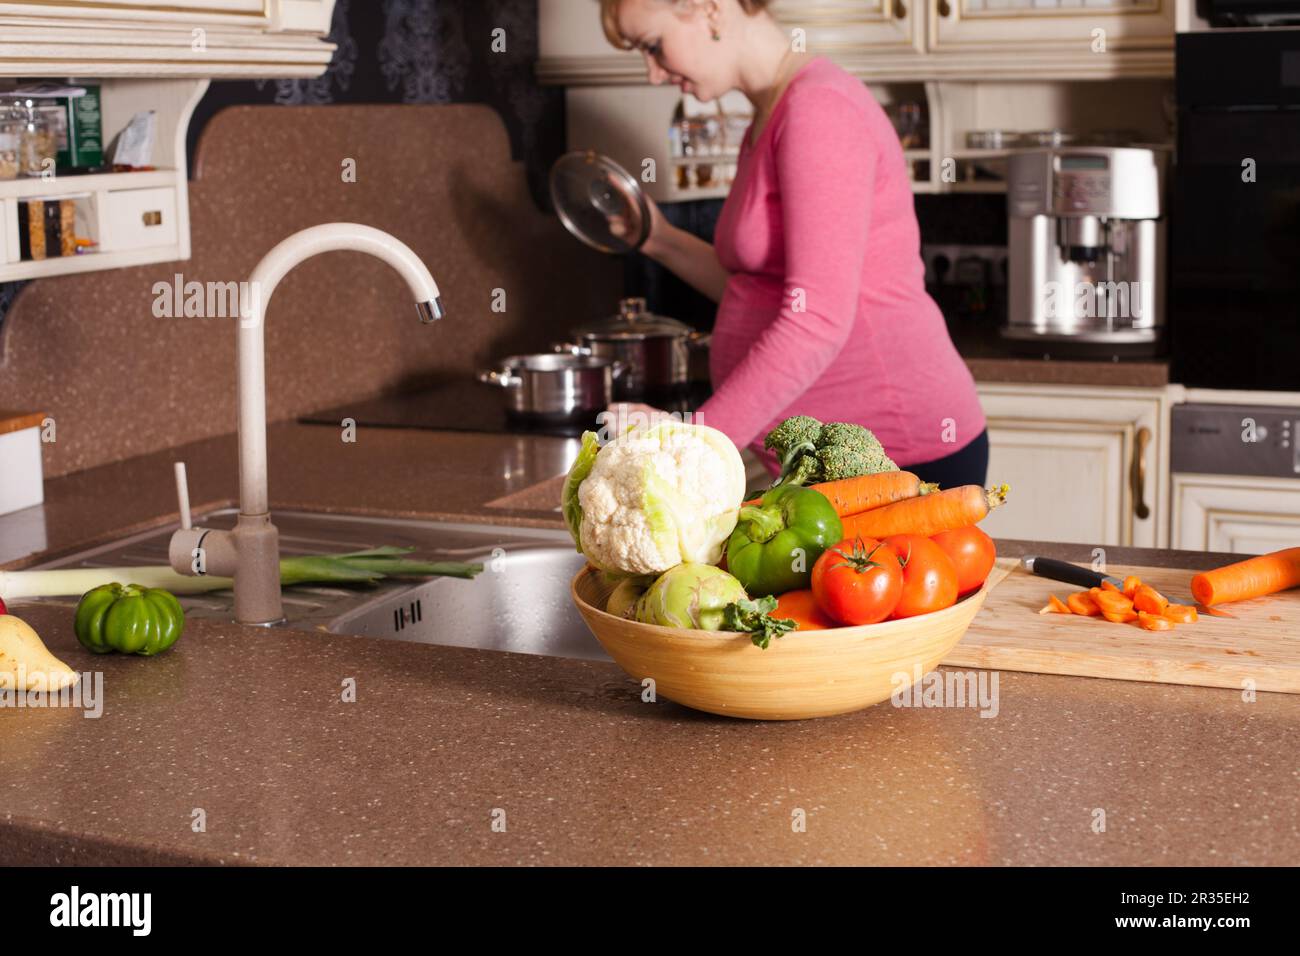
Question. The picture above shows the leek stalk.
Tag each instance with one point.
(353, 567)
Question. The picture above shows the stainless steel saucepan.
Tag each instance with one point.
(555, 384)
(655, 349)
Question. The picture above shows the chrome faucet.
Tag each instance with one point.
(251, 552)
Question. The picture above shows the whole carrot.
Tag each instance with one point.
(852, 496)
(1251, 578)
(928, 515)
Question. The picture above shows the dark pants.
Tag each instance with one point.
(966, 466)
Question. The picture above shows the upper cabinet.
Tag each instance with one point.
(1092, 26)
(177, 38)
(848, 27)
(137, 8)
(913, 40)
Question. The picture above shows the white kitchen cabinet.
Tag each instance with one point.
(1093, 27)
(139, 218)
(1085, 464)
(306, 15)
(1238, 514)
(138, 9)
(200, 39)
(852, 26)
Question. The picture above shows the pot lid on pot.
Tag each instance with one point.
(633, 322)
(592, 195)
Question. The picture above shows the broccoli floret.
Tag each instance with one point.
(794, 441)
(847, 450)
(843, 434)
(793, 435)
(837, 463)
(811, 452)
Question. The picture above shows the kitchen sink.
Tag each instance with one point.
(520, 602)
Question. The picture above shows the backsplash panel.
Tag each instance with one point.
(120, 381)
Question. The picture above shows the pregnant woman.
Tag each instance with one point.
(816, 264)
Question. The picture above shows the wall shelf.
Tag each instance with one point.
(144, 57)
(134, 217)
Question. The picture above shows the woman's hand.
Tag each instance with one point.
(659, 226)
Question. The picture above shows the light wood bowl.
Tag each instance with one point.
(802, 674)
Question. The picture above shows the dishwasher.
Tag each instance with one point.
(1235, 472)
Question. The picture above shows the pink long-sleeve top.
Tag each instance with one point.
(825, 312)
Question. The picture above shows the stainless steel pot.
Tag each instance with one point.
(655, 349)
(549, 384)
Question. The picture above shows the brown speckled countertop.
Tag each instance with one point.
(992, 359)
(249, 728)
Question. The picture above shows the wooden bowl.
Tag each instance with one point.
(802, 674)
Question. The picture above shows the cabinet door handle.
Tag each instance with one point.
(944, 8)
(900, 11)
(1139, 474)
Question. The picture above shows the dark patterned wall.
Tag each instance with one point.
(420, 51)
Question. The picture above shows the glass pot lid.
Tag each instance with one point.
(599, 202)
(633, 322)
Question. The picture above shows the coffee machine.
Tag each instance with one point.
(1086, 233)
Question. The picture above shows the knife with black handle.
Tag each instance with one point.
(1069, 573)
(1088, 578)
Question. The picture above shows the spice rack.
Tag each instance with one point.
(132, 217)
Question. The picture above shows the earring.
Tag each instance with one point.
(716, 35)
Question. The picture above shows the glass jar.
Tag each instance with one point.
(39, 128)
(10, 137)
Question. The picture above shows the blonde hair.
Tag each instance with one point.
(609, 18)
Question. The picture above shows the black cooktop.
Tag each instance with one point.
(472, 407)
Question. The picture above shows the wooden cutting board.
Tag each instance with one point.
(1262, 644)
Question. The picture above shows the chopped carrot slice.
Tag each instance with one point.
(1107, 586)
(1120, 617)
(1150, 600)
(1131, 584)
(1081, 602)
(1154, 622)
(1111, 601)
(1054, 605)
(1180, 614)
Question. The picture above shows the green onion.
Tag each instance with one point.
(353, 567)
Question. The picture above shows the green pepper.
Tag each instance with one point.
(777, 541)
(129, 619)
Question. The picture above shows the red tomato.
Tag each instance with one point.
(858, 581)
(801, 607)
(3, 609)
(972, 553)
(929, 577)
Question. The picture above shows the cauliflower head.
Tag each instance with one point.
(655, 497)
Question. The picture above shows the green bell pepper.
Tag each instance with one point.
(777, 541)
(129, 619)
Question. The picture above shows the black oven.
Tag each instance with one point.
(1234, 247)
